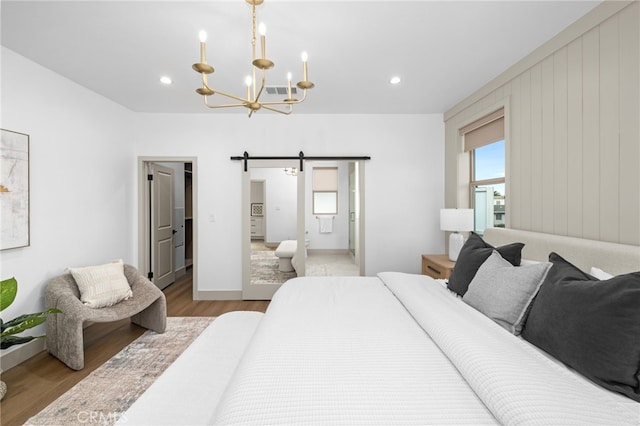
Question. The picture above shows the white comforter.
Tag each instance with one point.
(345, 351)
(400, 350)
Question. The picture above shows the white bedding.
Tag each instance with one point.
(345, 351)
(360, 351)
(393, 349)
(517, 382)
(185, 394)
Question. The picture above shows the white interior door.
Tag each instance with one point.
(162, 225)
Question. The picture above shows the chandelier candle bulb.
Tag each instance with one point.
(288, 85)
(248, 81)
(203, 47)
(305, 57)
(262, 29)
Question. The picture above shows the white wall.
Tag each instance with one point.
(404, 180)
(82, 179)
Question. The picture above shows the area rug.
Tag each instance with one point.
(264, 268)
(102, 396)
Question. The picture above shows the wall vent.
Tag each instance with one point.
(280, 90)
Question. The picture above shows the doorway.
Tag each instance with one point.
(176, 218)
(333, 230)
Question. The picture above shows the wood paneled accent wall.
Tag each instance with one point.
(572, 124)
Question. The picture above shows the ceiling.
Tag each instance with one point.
(442, 50)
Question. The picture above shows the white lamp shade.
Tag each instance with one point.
(456, 220)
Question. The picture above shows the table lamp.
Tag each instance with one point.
(456, 220)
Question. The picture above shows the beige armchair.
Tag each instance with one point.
(146, 308)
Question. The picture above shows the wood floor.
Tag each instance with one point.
(37, 382)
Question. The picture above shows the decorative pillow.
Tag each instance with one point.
(591, 325)
(504, 292)
(473, 254)
(103, 285)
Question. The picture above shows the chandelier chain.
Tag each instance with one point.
(253, 28)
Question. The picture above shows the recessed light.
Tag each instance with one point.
(165, 80)
(394, 80)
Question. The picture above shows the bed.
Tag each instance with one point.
(405, 349)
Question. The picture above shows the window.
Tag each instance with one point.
(325, 190)
(484, 140)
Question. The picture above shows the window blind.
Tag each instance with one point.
(325, 178)
(486, 130)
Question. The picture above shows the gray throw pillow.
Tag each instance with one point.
(504, 292)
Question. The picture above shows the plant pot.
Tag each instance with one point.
(3, 387)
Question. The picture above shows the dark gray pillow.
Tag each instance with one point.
(593, 326)
(503, 292)
(473, 254)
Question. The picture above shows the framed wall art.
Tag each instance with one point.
(14, 189)
(257, 209)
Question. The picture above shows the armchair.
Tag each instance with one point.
(146, 308)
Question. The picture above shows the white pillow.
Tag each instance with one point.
(102, 285)
(600, 274)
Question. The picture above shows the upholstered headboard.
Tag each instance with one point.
(610, 257)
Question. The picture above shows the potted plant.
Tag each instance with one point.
(9, 329)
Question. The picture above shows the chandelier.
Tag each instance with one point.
(291, 171)
(259, 68)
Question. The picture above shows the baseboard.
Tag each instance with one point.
(21, 353)
(328, 252)
(218, 295)
(180, 272)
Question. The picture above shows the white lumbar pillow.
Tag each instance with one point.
(600, 274)
(102, 285)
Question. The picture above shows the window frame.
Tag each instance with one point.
(324, 191)
(487, 130)
(481, 182)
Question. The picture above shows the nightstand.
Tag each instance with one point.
(437, 266)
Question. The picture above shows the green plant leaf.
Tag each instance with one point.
(21, 318)
(8, 341)
(22, 326)
(25, 322)
(8, 291)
